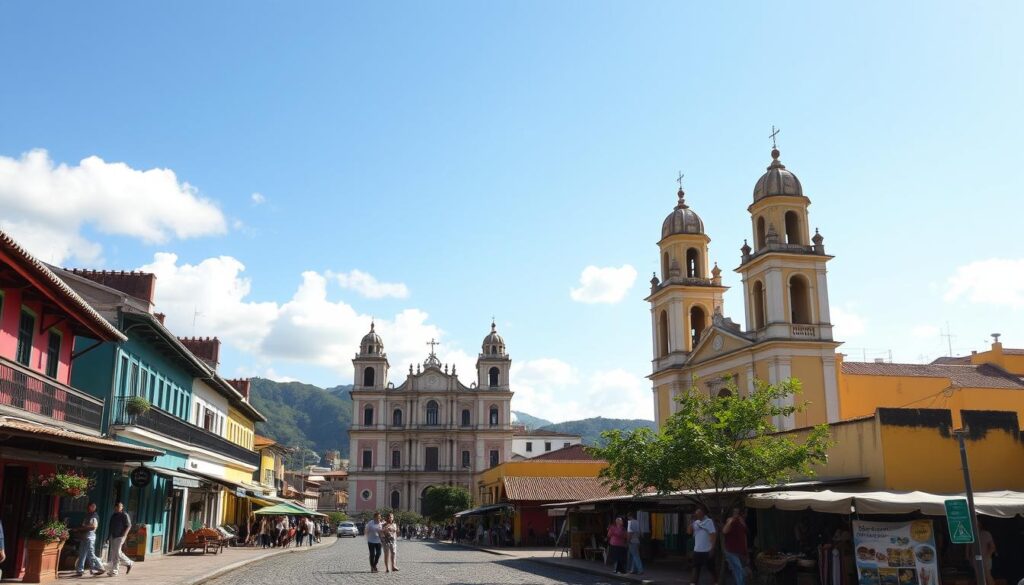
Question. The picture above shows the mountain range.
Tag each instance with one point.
(308, 418)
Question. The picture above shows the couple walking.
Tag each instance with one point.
(119, 526)
(382, 535)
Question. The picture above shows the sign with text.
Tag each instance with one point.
(958, 517)
(895, 553)
(141, 477)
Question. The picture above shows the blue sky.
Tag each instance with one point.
(483, 155)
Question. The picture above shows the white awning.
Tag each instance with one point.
(1001, 504)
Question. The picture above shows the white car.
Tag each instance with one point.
(347, 529)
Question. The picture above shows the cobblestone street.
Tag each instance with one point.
(418, 562)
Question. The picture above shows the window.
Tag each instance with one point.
(547, 445)
(697, 324)
(759, 234)
(800, 300)
(396, 499)
(396, 417)
(431, 459)
(210, 420)
(492, 377)
(396, 459)
(758, 301)
(160, 393)
(134, 383)
(465, 460)
(693, 268)
(366, 495)
(494, 416)
(664, 266)
(663, 334)
(26, 327)
(494, 457)
(529, 446)
(793, 228)
(465, 417)
(268, 477)
(368, 416)
(432, 413)
(368, 375)
(53, 353)
(565, 444)
(367, 459)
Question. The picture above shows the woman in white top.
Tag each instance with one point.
(388, 537)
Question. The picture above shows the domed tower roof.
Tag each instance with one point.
(493, 344)
(371, 343)
(777, 181)
(682, 220)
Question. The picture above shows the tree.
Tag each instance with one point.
(337, 517)
(440, 503)
(716, 448)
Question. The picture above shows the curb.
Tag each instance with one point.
(220, 572)
(589, 571)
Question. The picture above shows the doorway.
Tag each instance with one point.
(174, 505)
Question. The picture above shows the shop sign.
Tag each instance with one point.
(958, 518)
(185, 482)
(895, 553)
(141, 477)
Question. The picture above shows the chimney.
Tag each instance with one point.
(160, 317)
(242, 385)
(141, 285)
(204, 348)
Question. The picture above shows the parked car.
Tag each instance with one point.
(347, 529)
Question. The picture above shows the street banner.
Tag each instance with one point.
(895, 553)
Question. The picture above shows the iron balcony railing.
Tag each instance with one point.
(174, 428)
(32, 392)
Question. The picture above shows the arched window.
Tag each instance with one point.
(759, 235)
(492, 377)
(693, 267)
(396, 417)
(396, 499)
(793, 228)
(664, 266)
(368, 376)
(465, 417)
(758, 301)
(494, 416)
(724, 393)
(799, 300)
(368, 416)
(698, 321)
(663, 334)
(432, 413)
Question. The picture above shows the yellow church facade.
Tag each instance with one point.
(787, 329)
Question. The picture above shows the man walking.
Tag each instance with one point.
(87, 543)
(635, 565)
(120, 523)
(735, 531)
(373, 529)
(703, 530)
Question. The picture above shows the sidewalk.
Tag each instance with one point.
(191, 569)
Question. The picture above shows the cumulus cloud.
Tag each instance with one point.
(996, 281)
(554, 389)
(604, 285)
(46, 205)
(368, 286)
(257, 198)
(847, 323)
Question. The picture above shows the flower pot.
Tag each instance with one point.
(43, 558)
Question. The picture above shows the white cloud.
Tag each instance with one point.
(257, 198)
(847, 323)
(553, 389)
(925, 331)
(604, 285)
(369, 287)
(996, 281)
(46, 205)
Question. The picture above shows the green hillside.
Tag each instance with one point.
(530, 421)
(303, 415)
(591, 428)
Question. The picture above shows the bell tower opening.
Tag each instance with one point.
(793, 232)
(663, 334)
(799, 300)
(664, 266)
(758, 300)
(759, 233)
(693, 267)
(368, 376)
(698, 321)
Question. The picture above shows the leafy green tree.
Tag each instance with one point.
(440, 503)
(336, 517)
(716, 448)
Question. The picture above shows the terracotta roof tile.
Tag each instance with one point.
(555, 489)
(570, 453)
(967, 376)
(37, 429)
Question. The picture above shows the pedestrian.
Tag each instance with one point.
(3, 551)
(703, 530)
(301, 530)
(635, 565)
(310, 530)
(987, 545)
(264, 533)
(373, 530)
(617, 545)
(119, 525)
(389, 539)
(735, 536)
(87, 543)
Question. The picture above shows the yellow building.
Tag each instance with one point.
(240, 430)
(271, 472)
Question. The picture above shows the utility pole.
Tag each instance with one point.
(979, 562)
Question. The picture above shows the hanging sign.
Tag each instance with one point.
(895, 553)
(141, 477)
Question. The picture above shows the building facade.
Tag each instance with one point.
(430, 430)
(529, 443)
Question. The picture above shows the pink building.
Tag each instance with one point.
(430, 430)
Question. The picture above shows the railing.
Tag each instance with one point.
(173, 427)
(33, 392)
(809, 331)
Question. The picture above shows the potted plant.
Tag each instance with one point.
(137, 405)
(62, 483)
(45, 542)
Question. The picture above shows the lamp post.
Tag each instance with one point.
(979, 561)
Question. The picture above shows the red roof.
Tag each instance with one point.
(968, 376)
(570, 453)
(555, 489)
